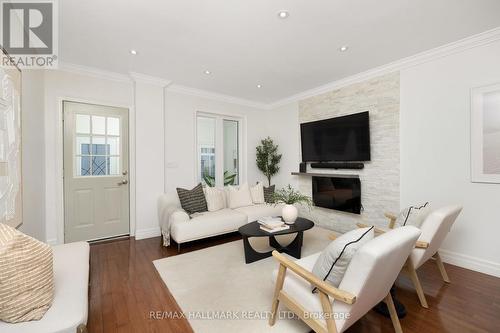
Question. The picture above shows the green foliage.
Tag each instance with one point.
(228, 179)
(290, 196)
(268, 158)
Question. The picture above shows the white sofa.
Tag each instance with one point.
(69, 310)
(182, 228)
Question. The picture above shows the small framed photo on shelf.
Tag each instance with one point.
(485, 134)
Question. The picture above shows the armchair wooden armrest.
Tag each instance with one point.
(392, 219)
(377, 230)
(323, 286)
(418, 244)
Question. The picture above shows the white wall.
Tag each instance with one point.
(150, 158)
(435, 151)
(33, 100)
(180, 113)
(283, 128)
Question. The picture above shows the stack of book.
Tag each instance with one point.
(272, 224)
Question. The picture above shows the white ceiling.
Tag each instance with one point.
(244, 43)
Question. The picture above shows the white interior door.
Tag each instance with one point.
(96, 161)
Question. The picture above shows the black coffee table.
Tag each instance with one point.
(252, 229)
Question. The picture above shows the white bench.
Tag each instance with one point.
(68, 313)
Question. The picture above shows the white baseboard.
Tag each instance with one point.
(472, 263)
(52, 241)
(147, 233)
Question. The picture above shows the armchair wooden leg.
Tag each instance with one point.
(418, 287)
(393, 313)
(442, 270)
(279, 285)
(81, 329)
(328, 312)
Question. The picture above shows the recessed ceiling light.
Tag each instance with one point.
(259, 86)
(208, 72)
(283, 14)
(344, 48)
(133, 52)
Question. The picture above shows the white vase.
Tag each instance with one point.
(289, 214)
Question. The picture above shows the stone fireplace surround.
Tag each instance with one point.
(380, 177)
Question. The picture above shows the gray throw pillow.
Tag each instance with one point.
(193, 201)
(268, 193)
(334, 260)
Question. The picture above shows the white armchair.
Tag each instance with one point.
(367, 281)
(434, 230)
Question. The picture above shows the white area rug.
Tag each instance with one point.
(216, 280)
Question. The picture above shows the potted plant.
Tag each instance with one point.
(268, 158)
(289, 196)
(210, 180)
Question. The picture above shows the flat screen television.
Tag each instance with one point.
(345, 138)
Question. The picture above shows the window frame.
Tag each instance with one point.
(219, 146)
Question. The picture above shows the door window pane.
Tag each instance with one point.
(98, 125)
(231, 153)
(83, 145)
(206, 149)
(113, 146)
(99, 166)
(114, 165)
(113, 126)
(83, 123)
(82, 165)
(99, 145)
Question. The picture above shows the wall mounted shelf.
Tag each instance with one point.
(310, 174)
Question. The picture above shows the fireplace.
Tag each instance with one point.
(339, 193)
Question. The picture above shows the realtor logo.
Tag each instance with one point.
(29, 32)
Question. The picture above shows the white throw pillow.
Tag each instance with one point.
(413, 215)
(215, 199)
(239, 197)
(334, 260)
(257, 192)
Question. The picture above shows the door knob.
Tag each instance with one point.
(125, 172)
(123, 182)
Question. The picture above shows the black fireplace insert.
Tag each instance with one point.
(339, 193)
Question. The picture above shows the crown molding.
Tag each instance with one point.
(480, 39)
(143, 78)
(139, 77)
(94, 72)
(176, 88)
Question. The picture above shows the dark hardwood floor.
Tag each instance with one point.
(125, 288)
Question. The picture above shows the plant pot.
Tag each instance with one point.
(289, 214)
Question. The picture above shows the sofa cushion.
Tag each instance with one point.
(215, 199)
(257, 192)
(193, 201)
(334, 260)
(239, 197)
(207, 224)
(26, 276)
(255, 212)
